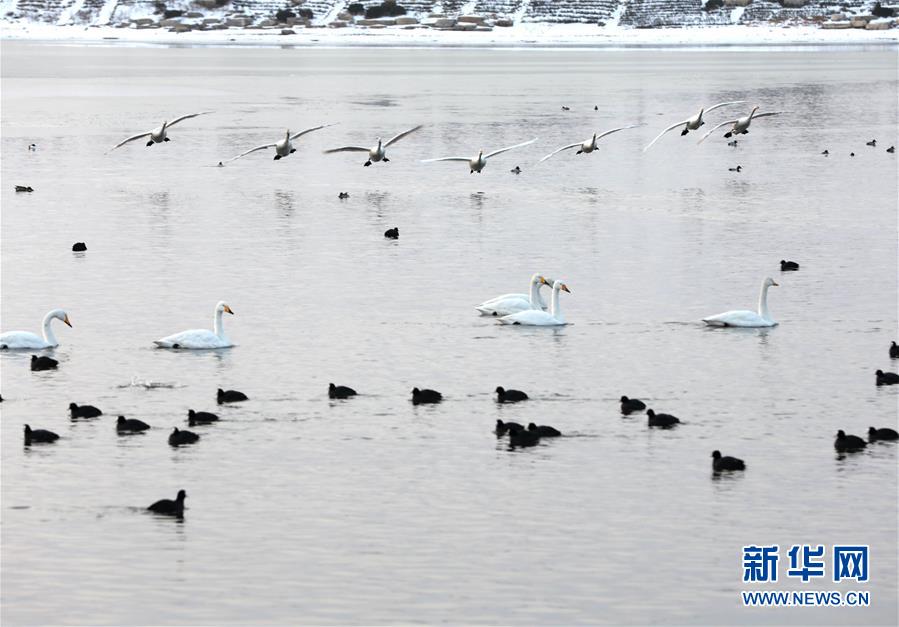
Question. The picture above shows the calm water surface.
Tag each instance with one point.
(303, 510)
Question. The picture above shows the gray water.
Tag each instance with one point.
(304, 510)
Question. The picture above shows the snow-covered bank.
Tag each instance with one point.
(521, 35)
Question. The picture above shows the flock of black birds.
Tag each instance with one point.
(519, 435)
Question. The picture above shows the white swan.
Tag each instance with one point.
(476, 164)
(513, 303)
(740, 125)
(589, 145)
(160, 134)
(14, 340)
(744, 317)
(200, 338)
(376, 153)
(283, 147)
(692, 123)
(538, 318)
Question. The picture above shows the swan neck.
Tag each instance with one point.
(763, 302)
(217, 325)
(536, 301)
(49, 337)
(556, 311)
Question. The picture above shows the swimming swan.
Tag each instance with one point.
(476, 164)
(589, 145)
(534, 317)
(740, 125)
(14, 340)
(200, 338)
(160, 134)
(746, 318)
(282, 148)
(692, 123)
(377, 153)
(513, 303)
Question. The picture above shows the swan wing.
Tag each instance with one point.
(615, 130)
(346, 149)
(502, 150)
(715, 128)
(531, 317)
(193, 339)
(504, 296)
(465, 159)
(396, 138)
(505, 307)
(764, 115)
(131, 139)
(309, 130)
(13, 340)
(723, 104)
(738, 318)
(187, 117)
(244, 154)
(558, 150)
(659, 136)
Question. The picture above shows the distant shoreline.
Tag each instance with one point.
(530, 36)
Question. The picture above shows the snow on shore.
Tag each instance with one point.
(521, 35)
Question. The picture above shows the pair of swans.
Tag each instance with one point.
(25, 340)
(527, 309)
(199, 339)
(507, 304)
(744, 317)
(379, 151)
(693, 122)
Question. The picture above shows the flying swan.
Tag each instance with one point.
(513, 303)
(539, 318)
(159, 135)
(740, 125)
(744, 317)
(476, 164)
(589, 145)
(692, 123)
(197, 339)
(283, 148)
(14, 340)
(377, 153)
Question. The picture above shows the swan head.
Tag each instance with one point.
(769, 282)
(222, 306)
(379, 140)
(60, 314)
(716, 454)
(558, 285)
(754, 109)
(537, 279)
(287, 133)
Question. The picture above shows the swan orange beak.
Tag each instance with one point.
(565, 288)
(775, 284)
(66, 320)
(543, 281)
(228, 310)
